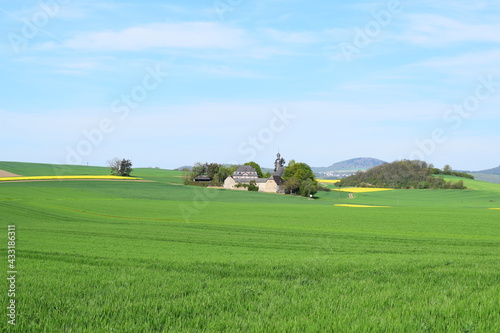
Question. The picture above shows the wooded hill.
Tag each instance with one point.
(403, 174)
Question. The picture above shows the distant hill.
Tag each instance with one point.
(352, 165)
(493, 171)
(485, 177)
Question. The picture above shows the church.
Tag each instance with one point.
(245, 173)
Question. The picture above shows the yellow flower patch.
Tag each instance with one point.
(328, 181)
(68, 178)
(361, 189)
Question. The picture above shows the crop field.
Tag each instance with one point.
(5, 179)
(115, 256)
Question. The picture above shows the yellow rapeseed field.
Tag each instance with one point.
(359, 206)
(361, 189)
(328, 181)
(67, 177)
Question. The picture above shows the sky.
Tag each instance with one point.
(172, 83)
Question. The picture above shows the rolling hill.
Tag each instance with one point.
(492, 171)
(355, 164)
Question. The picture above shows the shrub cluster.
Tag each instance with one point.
(448, 172)
(403, 174)
(252, 186)
(299, 179)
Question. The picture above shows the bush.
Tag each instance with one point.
(253, 186)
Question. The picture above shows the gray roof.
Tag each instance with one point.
(245, 168)
(247, 180)
(245, 171)
(203, 178)
(279, 180)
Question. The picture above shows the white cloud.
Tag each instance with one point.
(488, 58)
(225, 71)
(290, 37)
(188, 35)
(436, 30)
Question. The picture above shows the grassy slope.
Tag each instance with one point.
(479, 194)
(97, 256)
(39, 169)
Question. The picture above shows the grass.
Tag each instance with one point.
(156, 257)
(360, 206)
(47, 170)
(87, 177)
(40, 169)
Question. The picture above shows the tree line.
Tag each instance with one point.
(448, 171)
(405, 174)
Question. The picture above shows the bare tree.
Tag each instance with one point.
(115, 164)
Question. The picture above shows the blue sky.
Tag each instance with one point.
(171, 83)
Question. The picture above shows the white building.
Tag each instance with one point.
(245, 173)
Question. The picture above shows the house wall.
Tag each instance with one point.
(269, 186)
(229, 183)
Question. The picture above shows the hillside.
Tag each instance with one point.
(400, 175)
(485, 177)
(355, 164)
(492, 171)
(43, 169)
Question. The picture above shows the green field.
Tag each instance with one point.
(104, 256)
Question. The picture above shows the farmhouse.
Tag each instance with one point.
(245, 173)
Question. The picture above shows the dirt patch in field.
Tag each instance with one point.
(8, 174)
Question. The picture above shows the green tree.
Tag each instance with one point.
(308, 188)
(125, 167)
(224, 172)
(252, 186)
(299, 171)
(256, 167)
(291, 185)
(198, 169)
(447, 169)
(212, 169)
(299, 178)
